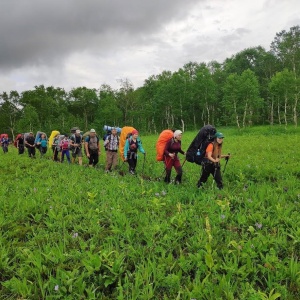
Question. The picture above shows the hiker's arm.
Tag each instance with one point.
(126, 149)
(86, 144)
(99, 150)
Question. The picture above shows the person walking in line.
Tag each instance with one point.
(111, 145)
(42, 143)
(30, 144)
(56, 148)
(20, 143)
(92, 148)
(4, 142)
(211, 164)
(173, 146)
(132, 145)
(65, 146)
(76, 145)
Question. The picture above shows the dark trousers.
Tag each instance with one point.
(94, 157)
(31, 151)
(55, 154)
(215, 171)
(5, 148)
(132, 161)
(21, 149)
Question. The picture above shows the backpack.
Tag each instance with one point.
(125, 134)
(163, 138)
(16, 139)
(88, 141)
(196, 151)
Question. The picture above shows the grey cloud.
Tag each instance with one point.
(34, 32)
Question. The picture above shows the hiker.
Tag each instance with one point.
(64, 146)
(42, 143)
(20, 143)
(55, 147)
(30, 145)
(76, 144)
(111, 145)
(92, 148)
(132, 145)
(4, 143)
(211, 162)
(173, 146)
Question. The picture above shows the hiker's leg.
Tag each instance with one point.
(178, 169)
(206, 170)
(114, 160)
(108, 160)
(68, 156)
(168, 167)
(218, 178)
(96, 159)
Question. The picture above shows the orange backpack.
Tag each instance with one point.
(163, 138)
(123, 136)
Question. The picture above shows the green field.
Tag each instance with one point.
(71, 232)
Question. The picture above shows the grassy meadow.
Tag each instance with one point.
(71, 232)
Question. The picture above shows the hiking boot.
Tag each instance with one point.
(132, 172)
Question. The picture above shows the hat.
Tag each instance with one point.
(77, 131)
(177, 133)
(134, 132)
(92, 130)
(219, 135)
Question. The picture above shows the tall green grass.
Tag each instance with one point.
(71, 232)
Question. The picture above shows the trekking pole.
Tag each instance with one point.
(183, 163)
(143, 164)
(227, 159)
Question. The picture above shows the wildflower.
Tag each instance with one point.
(75, 235)
(35, 189)
(223, 217)
(252, 246)
(250, 200)
(56, 287)
(163, 193)
(157, 194)
(50, 207)
(258, 225)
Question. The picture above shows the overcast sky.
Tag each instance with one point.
(76, 43)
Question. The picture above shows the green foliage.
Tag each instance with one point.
(71, 232)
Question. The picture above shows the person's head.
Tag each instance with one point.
(92, 132)
(177, 135)
(219, 136)
(43, 136)
(31, 133)
(77, 132)
(66, 136)
(135, 133)
(114, 131)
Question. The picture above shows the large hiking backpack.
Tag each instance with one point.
(53, 134)
(163, 138)
(16, 139)
(125, 134)
(196, 151)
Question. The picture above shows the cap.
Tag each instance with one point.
(219, 135)
(177, 133)
(134, 132)
(77, 131)
(92, 130)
